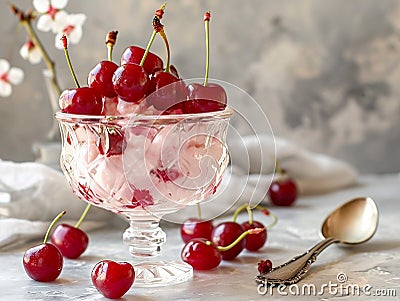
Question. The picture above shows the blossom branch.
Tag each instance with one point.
(25, 20)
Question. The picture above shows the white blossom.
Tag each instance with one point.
(9, 76)
(72, 28)
(52, 14)
(29, 51)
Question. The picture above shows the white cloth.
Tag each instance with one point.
(31, 195)
(252, 169)
(31, 192)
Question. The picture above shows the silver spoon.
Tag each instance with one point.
(352, 223)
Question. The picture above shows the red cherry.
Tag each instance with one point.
(283, 192)
(165, 90)
(113, 279)
(255, 241)
(202, 99)
(226, 233)
(130, 82)
(85, 101)
(43, 262)
(71, 241)
(201, 254)
(134, 54)
(196, 228)
(100, 78)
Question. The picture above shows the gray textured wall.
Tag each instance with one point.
(326, 73)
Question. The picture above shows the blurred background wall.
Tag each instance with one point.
(326, 73)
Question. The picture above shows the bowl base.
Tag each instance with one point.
(160, 273)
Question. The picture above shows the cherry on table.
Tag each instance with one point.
(201, 254)
(113, 279)
(44, 262)
(226, 233)
(283, 192)
(255, 242)
(71, 241)
(196, 228)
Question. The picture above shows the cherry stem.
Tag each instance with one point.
(207, 29)
(85, 212)
(55, 220)
(158, 16)
(198, 211)
(278, 169)
(243, 235)
(25, 20)
(264, 210)
(110, 42)
(164, 36)
(65, 43)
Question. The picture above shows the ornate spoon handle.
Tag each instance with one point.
(296, 268)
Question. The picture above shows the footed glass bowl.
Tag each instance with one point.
(143, 167)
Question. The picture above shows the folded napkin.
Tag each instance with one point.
(33, 192)
(252, 169)
(31, 195)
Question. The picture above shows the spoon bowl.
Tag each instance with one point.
(352, 223)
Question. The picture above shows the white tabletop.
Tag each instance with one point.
(373, 266)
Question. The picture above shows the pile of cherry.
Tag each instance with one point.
(206, 246)
(141, 83)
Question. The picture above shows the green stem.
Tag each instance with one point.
(250, 214)
(110, 52)
(83, 216)
(164, 36)
(275, 218)
(207, 29)
(70, 68)
(243, 235)
(148, 48)
(198, 211)
(237, 211)
(278, 168)
(55, 220)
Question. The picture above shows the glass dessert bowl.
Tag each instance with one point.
(143, 167)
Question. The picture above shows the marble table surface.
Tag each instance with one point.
(372, 268)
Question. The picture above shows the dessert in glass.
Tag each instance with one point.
(142, 167)
(142, 143)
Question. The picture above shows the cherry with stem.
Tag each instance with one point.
(205, 97)
(166, 90)
(131, 80)
(283, 190)
(82, 100)
(44, 262)
(255, 241)
(196, 227)
(203, 254)
(70, 240)
(100, 77)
